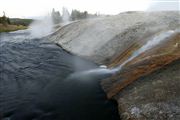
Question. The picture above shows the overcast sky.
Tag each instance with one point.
(31, 8)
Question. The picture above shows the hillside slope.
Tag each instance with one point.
(146, 87)
(102, 38)
(154, 97)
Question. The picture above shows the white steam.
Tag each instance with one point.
(65, 15)
(164, 5)
(150, 44)
(41, 28)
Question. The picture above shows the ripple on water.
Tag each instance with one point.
(34, 83)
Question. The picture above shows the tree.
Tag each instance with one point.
(76, 15)
(56, 16)
(8, 21)
(4, 20)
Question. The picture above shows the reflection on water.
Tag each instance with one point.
(40, 81)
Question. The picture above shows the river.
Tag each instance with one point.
(35, 82)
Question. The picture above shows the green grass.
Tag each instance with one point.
(9, 28)
(18, 21)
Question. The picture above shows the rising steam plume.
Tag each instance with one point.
(150, 44)
(42, 27)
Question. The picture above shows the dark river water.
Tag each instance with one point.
(36, 83)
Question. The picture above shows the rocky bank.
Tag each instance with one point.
(147, 87)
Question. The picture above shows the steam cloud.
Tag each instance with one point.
(104, 71)
(66, 15)
(150, 44)
(41, 28)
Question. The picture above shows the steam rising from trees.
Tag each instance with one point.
(70, 16)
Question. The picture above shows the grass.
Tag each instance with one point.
(9, 28)
(18, 21)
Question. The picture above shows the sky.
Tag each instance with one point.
(33, 8)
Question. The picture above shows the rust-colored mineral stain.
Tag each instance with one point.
(124, 55)
(144, 64)
(139, 72)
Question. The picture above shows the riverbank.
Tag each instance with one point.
(148, 86)
(9, 28)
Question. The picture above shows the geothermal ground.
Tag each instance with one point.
(146, 87)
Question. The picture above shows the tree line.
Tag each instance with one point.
(4, 20)
(14, 21)
(67, 16)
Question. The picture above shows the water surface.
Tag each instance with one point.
(38, 81)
